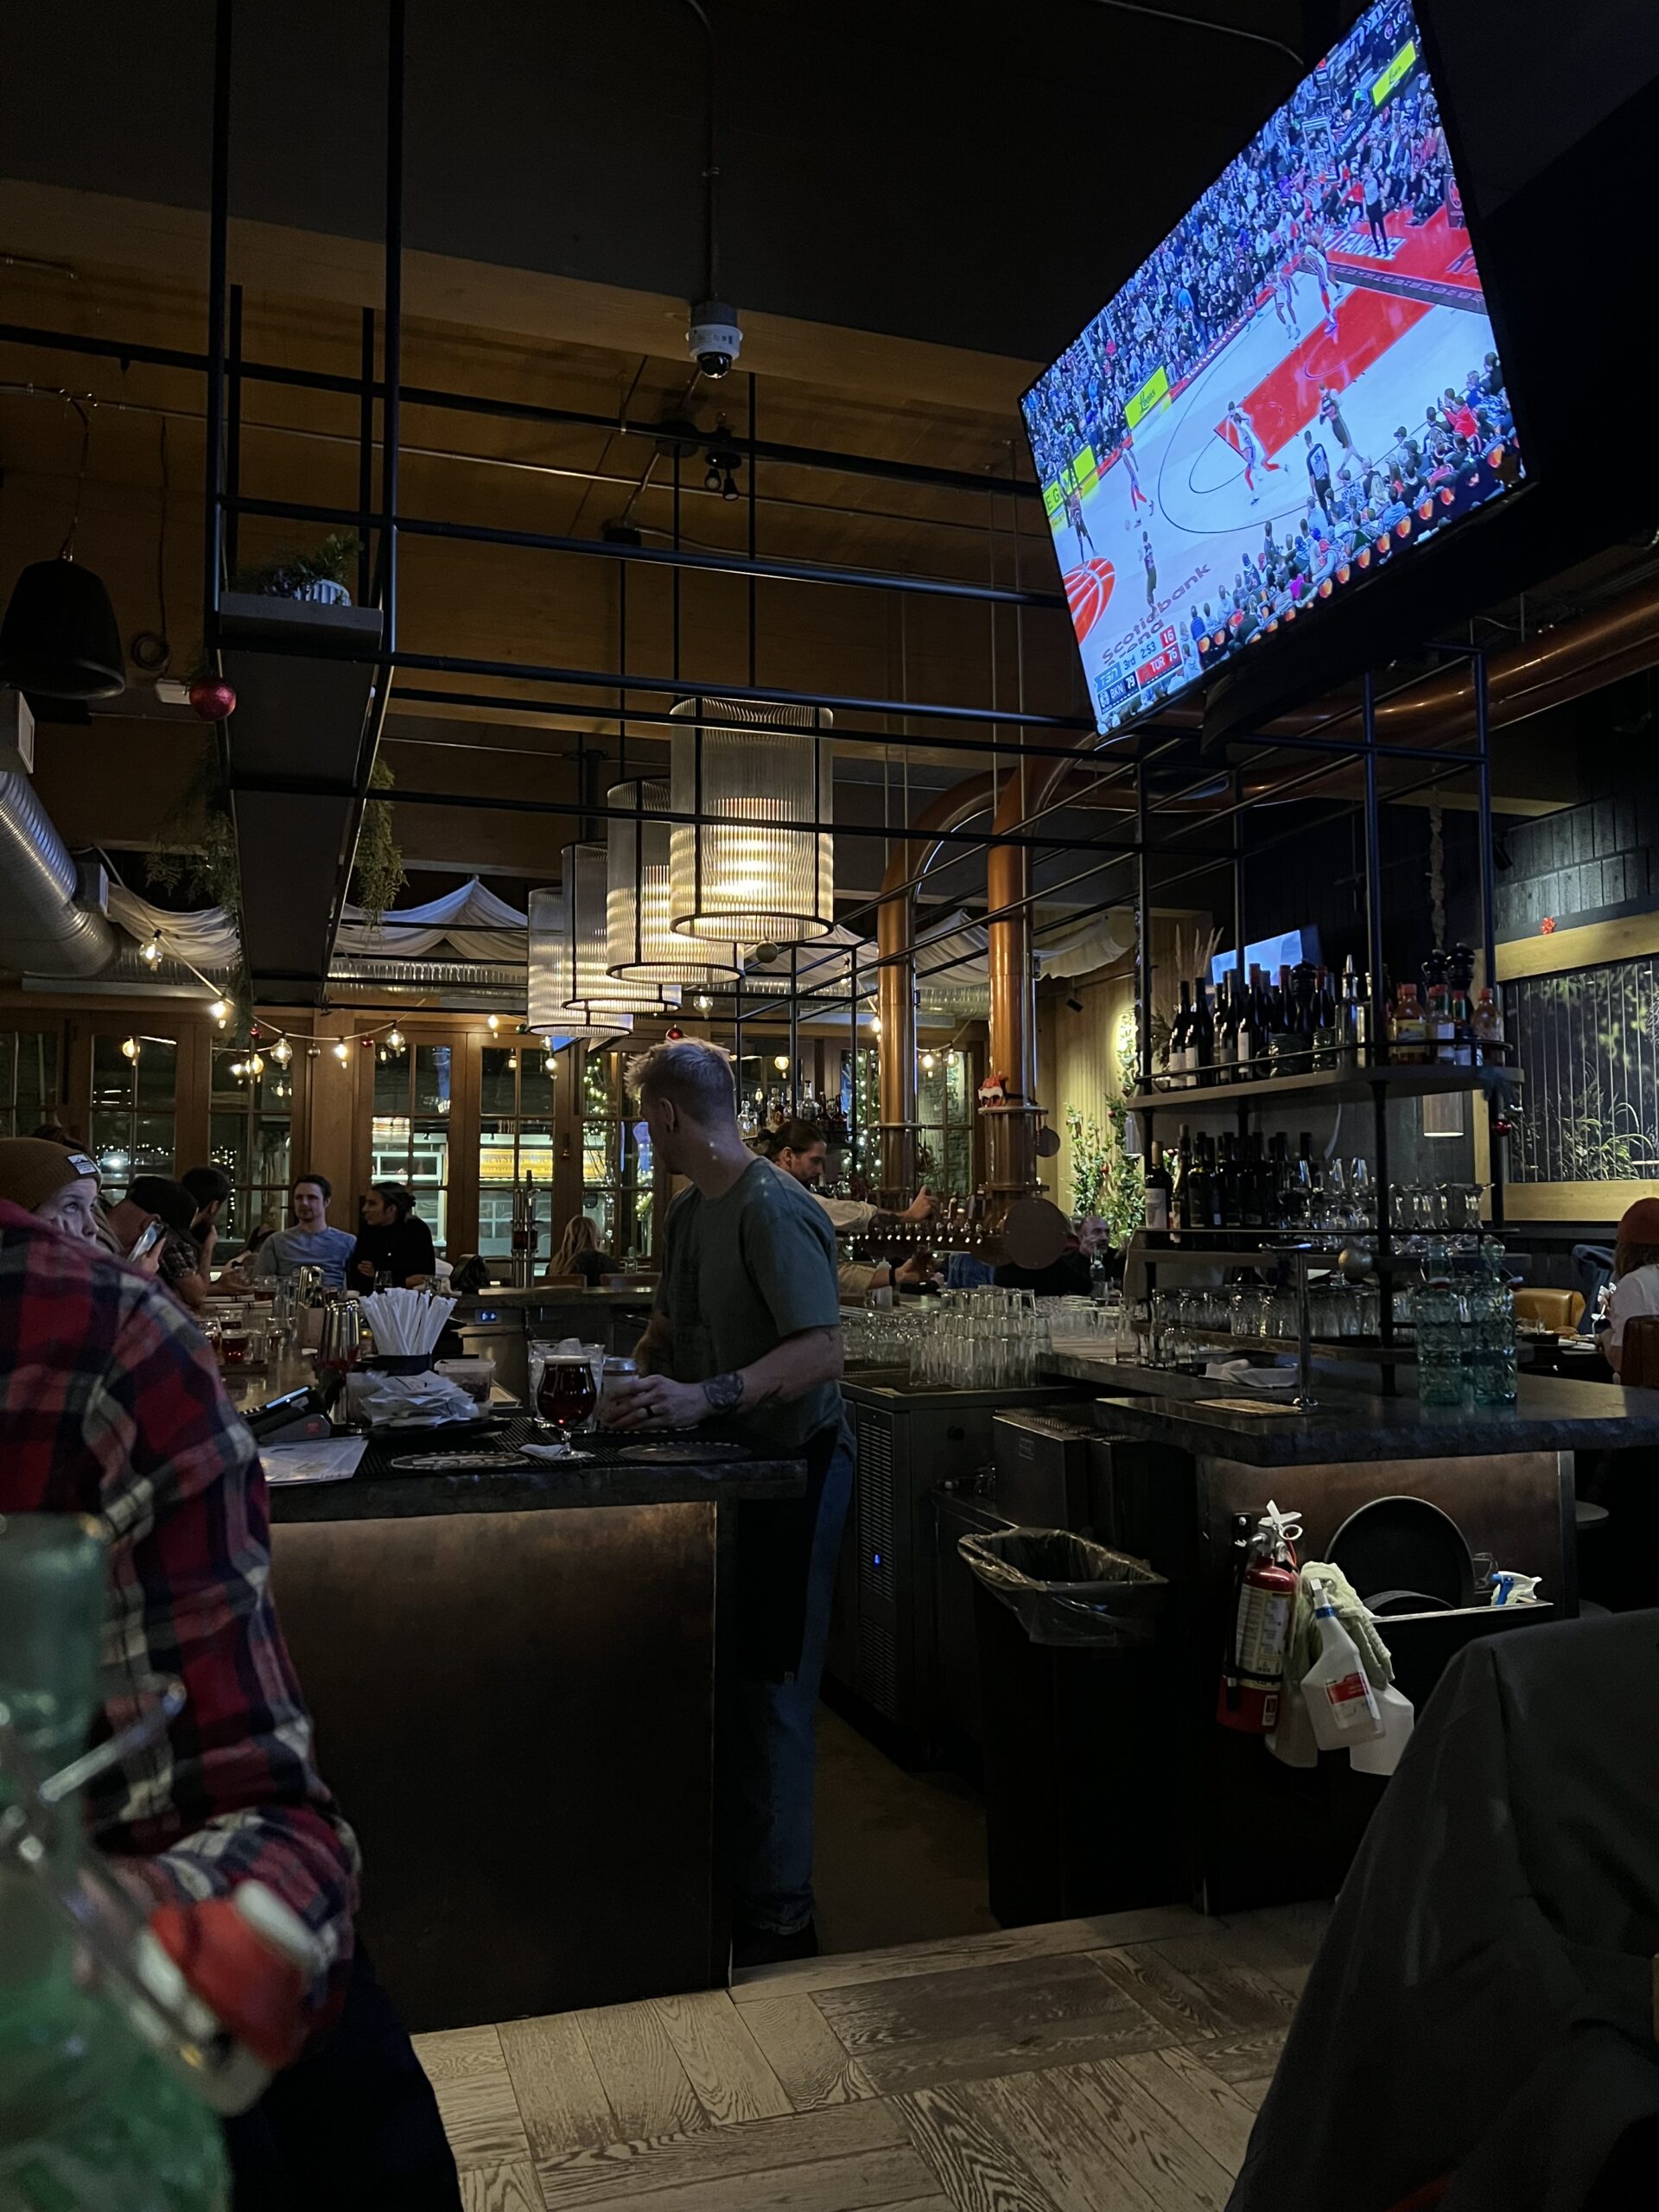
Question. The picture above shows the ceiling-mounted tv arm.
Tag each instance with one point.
(1192, 23)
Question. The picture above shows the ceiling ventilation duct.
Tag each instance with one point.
(49, 924)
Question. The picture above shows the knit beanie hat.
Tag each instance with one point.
(1640, 1222)
(33, 1169)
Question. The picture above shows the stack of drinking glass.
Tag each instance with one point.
(984, 1340)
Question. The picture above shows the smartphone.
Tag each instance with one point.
(147, 1239)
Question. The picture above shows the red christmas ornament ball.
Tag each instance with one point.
(212, 698)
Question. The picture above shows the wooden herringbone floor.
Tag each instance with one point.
(1109, 2065)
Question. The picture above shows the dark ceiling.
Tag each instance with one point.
(982, 176)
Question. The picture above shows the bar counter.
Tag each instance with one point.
(1550, 1414)
(518, 1677)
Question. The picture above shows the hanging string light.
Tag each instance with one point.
(282, 1051)
(342, 1050)
(643, 948)
(150, 953)
(757, 866)
(130, 1048)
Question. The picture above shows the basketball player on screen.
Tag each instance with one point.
(1150, 560)
(1315, 257)
(1249, 448)
(1074, 516)
(1137, 497)
(1330, 413)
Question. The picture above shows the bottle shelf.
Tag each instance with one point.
(1338, 1085)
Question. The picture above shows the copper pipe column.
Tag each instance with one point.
(895, 999)
(1013, 996)
(895, 937)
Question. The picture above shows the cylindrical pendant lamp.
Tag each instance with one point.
(595, 992)
(548, 1010)
(759, 867)
(643, 949)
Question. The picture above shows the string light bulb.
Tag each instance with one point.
(703, 1003)
(150, 953)
(256, 1066)
(342, 1050)
(219, 1009)
(550, 1065)
(495, 1023)
(395, 1038)
(282, 1051)
(130, 1047)
(239, 1069)
(780, 1061)
(875, 1025)
(929, 1063)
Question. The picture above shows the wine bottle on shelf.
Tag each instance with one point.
(1157, 1192)
(1284, 1040)
(1226, 1048)
(1461, 1007)
(1437, 1024)
(1212, 1187)
(1229, 1196)
(1328, 1029)
(1201, 1055)
(1253, 1181)
(1244, 1031)
(1181, 1220)
(1180, 1038)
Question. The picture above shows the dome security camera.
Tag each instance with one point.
(715, 338)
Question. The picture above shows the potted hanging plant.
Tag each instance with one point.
(318, 572)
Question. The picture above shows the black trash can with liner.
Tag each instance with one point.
(1077, 1719)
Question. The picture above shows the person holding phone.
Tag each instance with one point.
(149, 1226)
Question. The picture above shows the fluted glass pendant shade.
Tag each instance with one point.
(547, 1004)
(595, 992)
(749, 873)
(642, 947)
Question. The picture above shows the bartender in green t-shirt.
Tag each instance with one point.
(746, 1330)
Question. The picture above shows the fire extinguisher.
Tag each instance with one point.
(1264, 1610)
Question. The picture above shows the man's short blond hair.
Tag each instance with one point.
(695, 1076)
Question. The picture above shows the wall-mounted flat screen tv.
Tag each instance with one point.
(1292, 393)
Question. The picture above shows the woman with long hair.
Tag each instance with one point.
(1636, 1275)
(579, 1253)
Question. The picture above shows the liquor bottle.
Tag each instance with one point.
(1408, 1033)
(1212, 1185)
(1201, 1054)
(1328, 1029)
(1180, 1031)
(1226, 1047)
(1157, 1192)
(1486, 1024)
(1437, 1026)
(1356, 1011)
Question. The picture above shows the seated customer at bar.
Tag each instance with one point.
(580, 1253)
(394, 1245)
(311, 1241)
(746, 1329)
(111, 1405)
(210, 1187)
(177, 1259)
(57, 1186)
(1636, 1277)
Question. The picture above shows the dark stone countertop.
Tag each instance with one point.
(375, 1492)
(1551, 1414)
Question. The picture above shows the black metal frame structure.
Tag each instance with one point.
(1009, 733)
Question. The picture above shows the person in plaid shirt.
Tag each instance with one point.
(110, 1404)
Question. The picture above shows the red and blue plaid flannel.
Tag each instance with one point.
(110, 1404)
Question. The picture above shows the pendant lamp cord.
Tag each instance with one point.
(66, 550)
(1191, 22)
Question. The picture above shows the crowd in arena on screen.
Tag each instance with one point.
(1357, 503)
(1330, 163)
